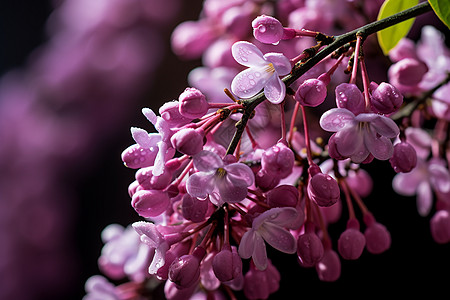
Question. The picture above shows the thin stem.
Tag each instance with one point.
(292, 126)
(365, 79)
(301, 68)
(356, 58)
(348, 199)
(307, 140)
(283, 122)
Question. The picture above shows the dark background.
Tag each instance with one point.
(414, 263)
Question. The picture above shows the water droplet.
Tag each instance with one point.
(252, 82)
(262, 28)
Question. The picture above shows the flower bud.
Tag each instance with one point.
(360, 182)
(404, 158)
(351, 242)
(312, 92)
(309, 247)
(329, 267)
(185, 271)
(136, 157)
(193, 104)
(267, 30)
(148, 181)
(190, 39)
(282, 196)
(278, 160)
(386, 99)
(150, 203)
(170, 112)
(440, 226)
(322, 188)
(266, 181)
(404, 49)
(408, 72)
(188, 141)
(378, 238)
(350, 97)
(193, 209)
(227, 265)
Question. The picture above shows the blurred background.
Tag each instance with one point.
(74, 76)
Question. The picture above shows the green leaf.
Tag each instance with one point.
(388, 38)
(442, 10)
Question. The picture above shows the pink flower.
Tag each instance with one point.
(223, 183)
(270, 227)
(263, 72)
(426, 177)
(150, 236)
(358, 136)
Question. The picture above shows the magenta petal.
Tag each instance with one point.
(247, 54)
(280, 216)
(200, 184)
(380, 146)
(249, 82)
(231, 193)
(278, 237)
(247, 244)
(150, 115)
(280, 62)
(406, 183)
(385, 126)
(206, 161)
(259, 253)
(424, 198)
(148, 232)
(336, 119)
(240, 174)
(275, 89)
(439, 178)
(349, 140)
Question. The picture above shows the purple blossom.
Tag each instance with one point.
(99, 288)
(270, 227)
(426, 177)
(358, 136)
(223, 183)
(263, 72)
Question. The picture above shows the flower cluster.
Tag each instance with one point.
(213, 205)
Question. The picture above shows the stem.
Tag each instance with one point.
(283, 122)
(300, 68)
(307, 140)
(365, 79)
(356, 58)
(291, 127)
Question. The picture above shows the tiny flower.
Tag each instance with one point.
(312, 92)
(263, 72)
(223, 183)
(283, 196)
(227, 264)
(426, 177)
(170, 112)
(270, 227)
(188, 140)
(150, 236)
(329, 267)
(322, 188)
(309, 247)
(259, 284)
(358, 136)
(150, 203)
(98, 287)
(185, 270)
(136, 156)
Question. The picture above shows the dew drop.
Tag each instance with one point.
(262, 28)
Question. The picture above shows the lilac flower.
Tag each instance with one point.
(262, 73)
(426, 177)
(358, 136)
(150, 235)
(223, 183)
(98, 287)
(270, 227)
(160, 139)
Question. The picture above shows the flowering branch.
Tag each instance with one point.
(335, 43)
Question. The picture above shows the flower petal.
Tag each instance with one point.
(144, 139)
(231, 193)
(200, 184)
(406, 183)
(337, 119)
(240, 174)
(247, 244)
(259, 253)
(349, 141)
(275, 89)
(385, 126)
(249, 82)
(247, 54)
(278, 237)
(206, 161)
(424, 198)
(159, 259)
(380, 146)
(148, 233)
(280, 62)
(439, 178)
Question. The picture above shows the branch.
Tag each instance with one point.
(301, 68)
